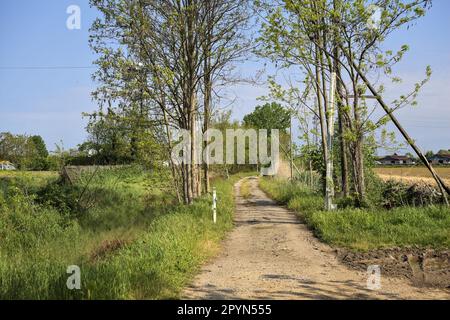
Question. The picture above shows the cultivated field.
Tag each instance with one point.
(27, 180)
(40, 175)
(412, 174)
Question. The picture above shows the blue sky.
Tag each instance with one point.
(50, 102)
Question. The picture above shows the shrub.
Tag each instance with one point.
(63, 198)
(26, 225)
(396, 194)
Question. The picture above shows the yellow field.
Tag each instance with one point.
(30, 178)
(412, 174)
(40, 174)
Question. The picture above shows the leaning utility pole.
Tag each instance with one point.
(441, 184)
(329, 183)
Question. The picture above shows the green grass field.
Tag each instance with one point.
(364, 229)
(126, 233)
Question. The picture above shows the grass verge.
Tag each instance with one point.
(364, 229)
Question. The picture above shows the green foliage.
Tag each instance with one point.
(429, 154)
(26, 225)
(61, 197)
(159, 263)
(39, 162)
(39, 144)
(26, 152)
(296, 196)
(313, 153)
(28, 182)
(301, 35)
(269, 116)
(121, 136)
(223, 122)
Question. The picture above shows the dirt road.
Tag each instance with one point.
(271, 255)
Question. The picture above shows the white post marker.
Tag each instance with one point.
(214, 206)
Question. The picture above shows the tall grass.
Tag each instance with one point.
(364, 229)
(130, 239)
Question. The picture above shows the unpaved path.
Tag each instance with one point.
(271, 255)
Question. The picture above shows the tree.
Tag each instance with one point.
(269, 116)
(39, 161)
(429, 154)
(28, 153)
(285, 39)
(40, 146)
(224, 42)
(324, 37)
(369, 55)
(157, 51)
(165, 55)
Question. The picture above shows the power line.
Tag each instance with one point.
(47, 68)
(429, 127)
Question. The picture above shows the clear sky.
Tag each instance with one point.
(35, 98)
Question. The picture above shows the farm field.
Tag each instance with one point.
(36, 177)
(412, 174)
(27, 181)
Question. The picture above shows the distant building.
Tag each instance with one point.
(440, 158)
(395, 160)
(7, 166)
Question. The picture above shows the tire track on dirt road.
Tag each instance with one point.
(270, 254)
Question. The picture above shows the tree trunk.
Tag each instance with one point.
(322, 121)
(344, 150)
(172, 165)
(341, 124)
(358, 163)
(207, 117)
